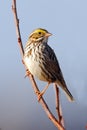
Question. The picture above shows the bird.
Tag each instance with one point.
(41, 61)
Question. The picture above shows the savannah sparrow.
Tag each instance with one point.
(41, 60)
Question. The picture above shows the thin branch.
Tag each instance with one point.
(42, 102)
(58, 106)
(57, 103)
(17, 27)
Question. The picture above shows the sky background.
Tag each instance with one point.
(67, 21)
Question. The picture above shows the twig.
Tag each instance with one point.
(57, 103)
(42, 102)
(17, 27)
(58, 106)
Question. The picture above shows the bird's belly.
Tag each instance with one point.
(34, 68)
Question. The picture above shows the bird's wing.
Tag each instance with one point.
(52, 65)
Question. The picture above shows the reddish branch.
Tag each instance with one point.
(58, 106)
(34, 85)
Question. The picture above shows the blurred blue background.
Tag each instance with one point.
(67, 21)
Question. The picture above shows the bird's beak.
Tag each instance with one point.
(48, 34)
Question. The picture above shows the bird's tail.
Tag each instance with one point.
(67, 92)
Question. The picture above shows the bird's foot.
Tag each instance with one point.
(40, 94)
(27, 73)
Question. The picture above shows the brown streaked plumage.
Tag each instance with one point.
(41, 60)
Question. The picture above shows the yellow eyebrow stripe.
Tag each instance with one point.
(40, 30)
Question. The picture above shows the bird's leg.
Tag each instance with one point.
(27, 73)
(40, 94)
(27, 70)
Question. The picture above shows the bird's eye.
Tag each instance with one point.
(39, 32)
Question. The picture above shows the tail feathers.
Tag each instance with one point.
(68, 94)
